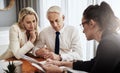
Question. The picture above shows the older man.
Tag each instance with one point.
(58, 41)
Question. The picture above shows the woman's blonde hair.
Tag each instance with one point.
(23, 13)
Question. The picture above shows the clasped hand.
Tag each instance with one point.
(46, 54)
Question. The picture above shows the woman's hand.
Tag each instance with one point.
(50, 68)
(54, 62)
(60, 63)
(32, 36)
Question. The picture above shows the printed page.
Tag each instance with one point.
(34, 62)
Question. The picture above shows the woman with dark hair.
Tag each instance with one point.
(100, 24)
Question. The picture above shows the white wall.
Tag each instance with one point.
(4, 39)
(115, 5)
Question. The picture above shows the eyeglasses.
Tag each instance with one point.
(83, 23)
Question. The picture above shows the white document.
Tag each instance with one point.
(69, 69)
(38, 65)
(34, 62)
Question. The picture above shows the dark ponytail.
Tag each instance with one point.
(103, 15)
(110, 21)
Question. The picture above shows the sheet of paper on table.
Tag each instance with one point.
(34, 62)
(43, 62)
(38, 64)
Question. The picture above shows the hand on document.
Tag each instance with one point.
(43, 65)
(39, 66)
(48, 66)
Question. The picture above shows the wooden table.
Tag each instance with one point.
(27, 66)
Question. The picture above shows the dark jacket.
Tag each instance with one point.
(107, 58)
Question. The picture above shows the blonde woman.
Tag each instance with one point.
(22, 35)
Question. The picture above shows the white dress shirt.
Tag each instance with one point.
(70, 47)
(18, 44)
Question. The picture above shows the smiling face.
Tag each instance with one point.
(56, 20)
(29, 22)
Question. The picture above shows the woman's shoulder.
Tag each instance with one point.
(15, 27)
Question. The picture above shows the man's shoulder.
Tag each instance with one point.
(69, 27)
(46, 30)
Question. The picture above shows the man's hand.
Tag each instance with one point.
(54, 62)
(52, 55)
(42, 51)
(45, 53)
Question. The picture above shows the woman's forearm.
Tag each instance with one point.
(67, 64)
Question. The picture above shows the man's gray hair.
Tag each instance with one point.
(56, 9)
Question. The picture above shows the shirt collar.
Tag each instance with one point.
(61, 31)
